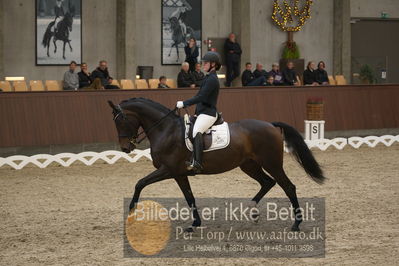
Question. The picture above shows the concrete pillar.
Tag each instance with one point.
(342, 39)
(241, 21)
(2, 74)
(125, 38)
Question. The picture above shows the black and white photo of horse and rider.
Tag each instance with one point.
(58, 32)
(181, 20)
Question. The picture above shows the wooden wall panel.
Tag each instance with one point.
(68, 117)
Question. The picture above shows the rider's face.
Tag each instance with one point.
(206, 66)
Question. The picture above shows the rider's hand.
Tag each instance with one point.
(180, 104)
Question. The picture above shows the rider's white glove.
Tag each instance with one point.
(180, 104)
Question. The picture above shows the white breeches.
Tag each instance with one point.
(183, 27)
(203, 123)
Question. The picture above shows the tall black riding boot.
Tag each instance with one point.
(196, 164)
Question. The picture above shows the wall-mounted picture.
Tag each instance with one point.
(181, 21)
(58, 32)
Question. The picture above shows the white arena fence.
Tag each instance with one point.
(89, 158)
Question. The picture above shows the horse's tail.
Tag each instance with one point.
(303, 155)
(47, 34)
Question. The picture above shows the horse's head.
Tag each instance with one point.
(127, 125)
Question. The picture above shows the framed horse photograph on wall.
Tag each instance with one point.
(181, 23)
(58, 32)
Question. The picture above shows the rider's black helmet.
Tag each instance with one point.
(212, 57)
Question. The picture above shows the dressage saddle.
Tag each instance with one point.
(207, 136)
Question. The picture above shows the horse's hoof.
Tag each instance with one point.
(189, 229)
(295, 228)
(255, 218)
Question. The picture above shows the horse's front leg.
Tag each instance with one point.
(156, 176)
(55, 45)
(69, 43)
(184, 185)
(177, 51)
(63, 51)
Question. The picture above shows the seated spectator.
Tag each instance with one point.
(276, 74)
(198, 75)
(289, 75)
(102, 73)
(309, 75)
(321, 74)
(71, 79)
(259, 71)
(85, 81)
(184, 79)
(248, 78)
(270, 81)
(162, 83)
(192, 53)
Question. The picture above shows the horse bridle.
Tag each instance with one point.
(133, 139)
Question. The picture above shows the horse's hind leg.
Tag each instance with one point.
(48, 47)
(254, 170)
(171, 48)
(184, 185)
(69, 43)
(277, 172)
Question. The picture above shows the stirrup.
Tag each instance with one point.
(194, 166)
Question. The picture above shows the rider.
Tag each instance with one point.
(180, 15)
(58, 12)
(206, 111)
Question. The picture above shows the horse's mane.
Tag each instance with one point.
(152, 103)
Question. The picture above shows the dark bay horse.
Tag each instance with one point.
(62, 32)
(255, 146)
(178, 36)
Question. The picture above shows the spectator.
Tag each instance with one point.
(184, 79)
(192, 52)
(85, 81)
(162, 83)
(233, 57)
(248, 78)
(71, 79)
(102, 73)
(276, 74)
(289, 75)
(309, 75)
(321, 74)
(198, 75)
(270, 81)
(259, 71)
